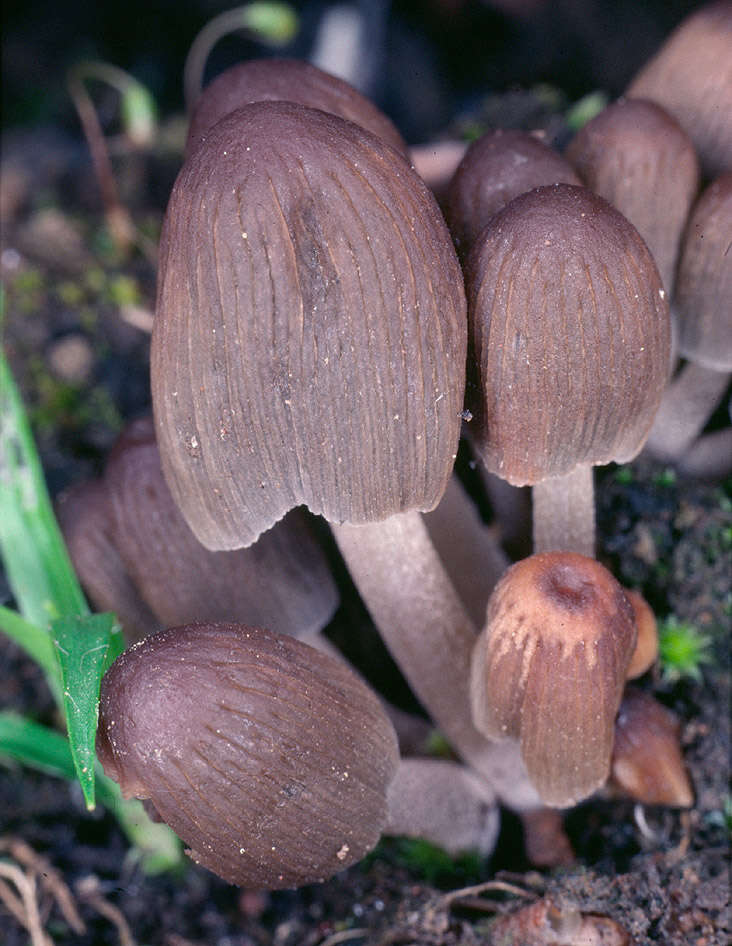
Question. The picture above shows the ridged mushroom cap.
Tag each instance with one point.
(703, 300)
(636, 156)
(290, 80)
(691, 77)
(497, 167)
(549, 669)
(310, 333)
(270, 759)
(569, 333)
(281, 582)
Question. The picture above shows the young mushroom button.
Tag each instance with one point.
(270, 759)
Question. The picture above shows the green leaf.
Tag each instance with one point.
(85, 647)
(48, 751)
(36, 561)
(36, 642)
(585, 109)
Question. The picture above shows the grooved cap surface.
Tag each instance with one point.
(549, 669)
(636, 156)
(292, 80)
(310, 334)
(270, 759)
(569, 334)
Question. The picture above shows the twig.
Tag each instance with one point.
(468, 892)
(344, 936)
(50, 879)
(26, 887)
(87, 889)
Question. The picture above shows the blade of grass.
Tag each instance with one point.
(36, 561)
(48, 751)
(85, 647)
(36, 643)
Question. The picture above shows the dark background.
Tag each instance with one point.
(428, 59)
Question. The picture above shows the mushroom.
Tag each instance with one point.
(497, 167)
(309, 348)
(273, 760)
(136, 556)
(270, 759)
(291, 80)
(570, 338)
(549, 669)
(691, 77)
(636, 156)
(646, 645)
(647, 763)
(704, 312)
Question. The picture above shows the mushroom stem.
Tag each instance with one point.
(687, 404)
(564, 513)
(469, 550)
(710, 457)
(444, 803)
(431, 636)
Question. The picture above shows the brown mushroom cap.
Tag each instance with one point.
(309, 339)
(635, 155)
(549, 669)
(497, 167)
(570, 336)
(281, 582)
(646, 645)
(691, 77)
(291, 80)
(270, 759)
(647, 763)
(703, 300)
(85, 517)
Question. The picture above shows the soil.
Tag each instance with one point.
(75, 305)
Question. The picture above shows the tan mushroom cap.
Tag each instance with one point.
(703, 300)
(570, 336)
(691, 77)
(647, 763)
(549, 669)
(636, 156)
(309, 339)
(291, 80)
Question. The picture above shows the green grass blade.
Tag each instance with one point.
(48, 751)
(36, 642)
(85, 647)
(35, 558)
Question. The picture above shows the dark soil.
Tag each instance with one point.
(73, 304)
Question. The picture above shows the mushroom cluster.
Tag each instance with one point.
(320, 336)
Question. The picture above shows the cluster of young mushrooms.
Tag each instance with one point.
(318, 343)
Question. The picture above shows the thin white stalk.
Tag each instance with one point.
(687, 404)
(444, 803)
(564, 513)
(469, 550)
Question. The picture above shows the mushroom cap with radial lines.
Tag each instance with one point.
(292, 80)
(270, 759)
(497, 167)
(310, 334)
(569, 333)
(635, 155)
(703, 300)
(549, 669)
